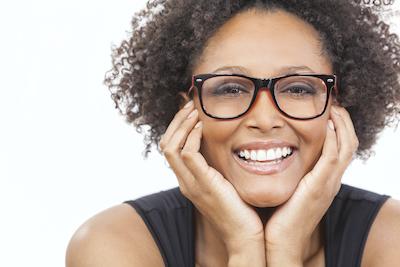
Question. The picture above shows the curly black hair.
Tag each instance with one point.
(155, 64)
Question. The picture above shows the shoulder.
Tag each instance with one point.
(116, 237)
(383, 243)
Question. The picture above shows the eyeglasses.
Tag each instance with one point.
(297, 96)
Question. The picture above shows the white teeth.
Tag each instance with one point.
(278, 152)
(253, 155)
(265, 155)
(261, 155)
(284, 151)
(271, 154)
(247, 154)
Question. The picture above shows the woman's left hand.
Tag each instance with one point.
(289, 230)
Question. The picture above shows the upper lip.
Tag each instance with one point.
(264, 145)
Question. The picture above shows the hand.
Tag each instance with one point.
(289, 229)
(214, 197)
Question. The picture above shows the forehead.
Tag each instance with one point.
(264, 43)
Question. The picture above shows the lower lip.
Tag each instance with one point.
(266, 168)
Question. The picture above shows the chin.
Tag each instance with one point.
(263, 198)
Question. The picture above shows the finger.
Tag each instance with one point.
(330, 147)
(329, 169)
(316, 187)
(179, 117)
(349, 125)
(190, 152)
(327, 162)
(178, 139)
(345, 133)
(172, 150)
(193, 140)
(354, 138)
(340, 127)
(323, 182)
(193, 159)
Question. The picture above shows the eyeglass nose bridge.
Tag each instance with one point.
(263, 84)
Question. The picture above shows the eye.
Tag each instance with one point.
(230, 89)
(297, 90)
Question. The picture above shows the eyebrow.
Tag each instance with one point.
(282, 71)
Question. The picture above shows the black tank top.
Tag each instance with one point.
(169, 217)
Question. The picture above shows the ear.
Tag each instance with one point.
(183, 98)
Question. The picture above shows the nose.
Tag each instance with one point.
(263, 113)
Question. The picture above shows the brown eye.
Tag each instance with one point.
(297, 90)
(230, 90)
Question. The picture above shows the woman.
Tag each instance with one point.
(258, 107)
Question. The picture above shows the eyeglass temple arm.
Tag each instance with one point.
(191, 87)
(335, 88)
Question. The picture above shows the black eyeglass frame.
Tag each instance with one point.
(328, 79)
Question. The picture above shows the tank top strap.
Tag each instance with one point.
(347, 223)
(169, 217)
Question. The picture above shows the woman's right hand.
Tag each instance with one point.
(237, 222)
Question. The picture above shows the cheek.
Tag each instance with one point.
(216, 133)
(312, 136)
(216, 140)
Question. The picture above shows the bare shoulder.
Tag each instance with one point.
(383, 243)
(116, 237)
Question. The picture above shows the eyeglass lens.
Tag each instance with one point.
(231, 96)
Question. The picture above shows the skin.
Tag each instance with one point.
(230, 231)
(245, 42)
(259, 55)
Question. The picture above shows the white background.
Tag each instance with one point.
(65, 152)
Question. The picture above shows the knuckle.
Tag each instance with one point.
(193, 195)
(349, 152)
(356, 143)
(190, 194)
(349, 155)
(177, 115)
(180, 115)
(184, 191)
(168, 152)
(317, 194)
(186, 155)
(161, 144)
(343, 111)
(332, 159)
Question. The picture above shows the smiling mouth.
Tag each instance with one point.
(263, 165)
(265, 156)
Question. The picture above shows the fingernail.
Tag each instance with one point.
(330, 125)
(188, 104)
(198, 124)
(192, 113)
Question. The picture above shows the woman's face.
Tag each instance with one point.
(263, 45)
